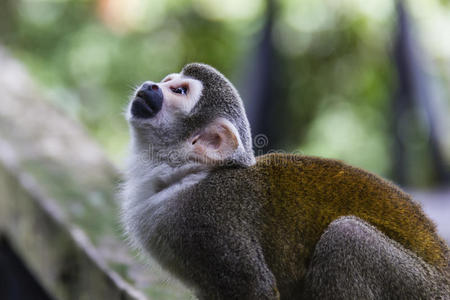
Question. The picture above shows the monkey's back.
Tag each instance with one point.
(307, 193)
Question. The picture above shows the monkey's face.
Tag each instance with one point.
(157, 113)
(158, 104)
(196, 114)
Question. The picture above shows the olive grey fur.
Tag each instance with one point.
(369, 266)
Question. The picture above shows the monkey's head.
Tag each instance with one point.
(195, 115)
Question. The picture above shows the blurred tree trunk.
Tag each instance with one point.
(412, 104)
(260, 89)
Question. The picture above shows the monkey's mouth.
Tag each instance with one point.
(140, 109)
(148, 101)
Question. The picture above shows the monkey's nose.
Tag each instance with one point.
(148, 101)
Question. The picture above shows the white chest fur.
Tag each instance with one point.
(150, 196)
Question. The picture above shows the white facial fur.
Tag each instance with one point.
(183, 103)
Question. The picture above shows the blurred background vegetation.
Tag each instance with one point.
(365, 81)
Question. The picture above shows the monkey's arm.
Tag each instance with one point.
(354, 260)
(226, 265)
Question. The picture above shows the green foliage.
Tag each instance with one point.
(91, 70)
(335, 67)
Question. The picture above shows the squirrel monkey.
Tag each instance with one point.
(278, 226)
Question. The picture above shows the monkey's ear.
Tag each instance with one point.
(216, 143)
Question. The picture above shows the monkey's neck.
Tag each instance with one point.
(155, 182)
(167, 176)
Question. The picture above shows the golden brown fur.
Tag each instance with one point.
(305, 194)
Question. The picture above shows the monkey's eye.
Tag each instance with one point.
(180, 90)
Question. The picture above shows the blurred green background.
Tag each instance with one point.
(327, 70)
